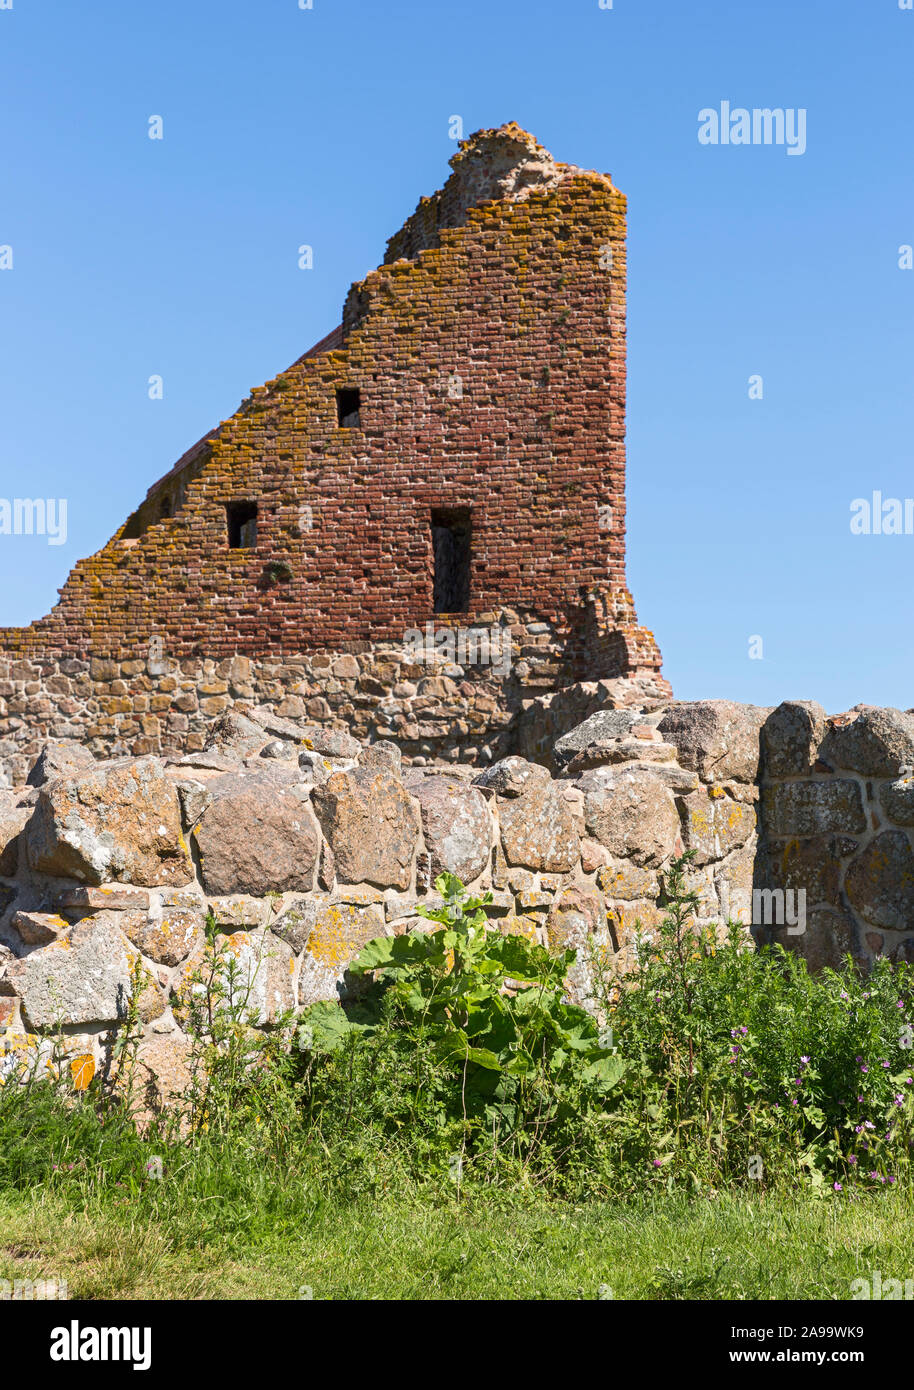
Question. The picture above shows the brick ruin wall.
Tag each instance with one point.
(488, 352)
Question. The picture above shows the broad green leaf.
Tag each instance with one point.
(608, 1071)
(328, 1026)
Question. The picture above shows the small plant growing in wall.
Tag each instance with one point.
(126, 1043)
(237, 1067)
(276, 572)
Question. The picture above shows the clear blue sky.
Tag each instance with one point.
(284, 126)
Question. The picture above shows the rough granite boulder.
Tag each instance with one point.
(83, 977)
(457, 826)
(335, 936)
(631, 813)
(813, 808)
(604, 727)
(538, 830)
(59, 760)
(264, 975)
(718, 739)
(13, 820)
(791, 736)
(713, 824)
(266, 968)
(38, 928)
(810, 866)
(256, 837)
(897, 800)
(877, 743)
(372, 825)
(577, 922)
(880, 882)
(121, 820)
(234, 733)
(168, 938)
(576, 917)
(512, 777)
(622, 878)
(162, 1074)
(332, 743)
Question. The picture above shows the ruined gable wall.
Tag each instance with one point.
(515, 303)
(516, 309)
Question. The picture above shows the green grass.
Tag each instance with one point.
(328, 1169)
(275, 1235)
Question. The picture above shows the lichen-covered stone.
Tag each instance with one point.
(13, 820)
(113, 897)
(512, 777)
(336, 935)
(39, 928)
(257, 837)
(809, 866)
(576, 916)
(897, 800)
(791, 736)
(239, 911)
(623, 878)
(264, 976)
(372, 825)
(331, 743)
(80, 978)
(880, 881)
(456, 825)
(121, 820)
(716, 738)
(59, 760)
(631, 813)
(538, 830)
(168, 938)
(713, 824)
(877, 743)
(813, 808)
(162, 1073)
(601, 728)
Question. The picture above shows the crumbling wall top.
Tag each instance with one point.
(506, 163)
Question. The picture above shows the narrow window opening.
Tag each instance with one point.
(348, 402)
(451, 548)
(164, 508)
(242, 525)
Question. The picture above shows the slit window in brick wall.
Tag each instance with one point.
(451, 533)
(348, 404)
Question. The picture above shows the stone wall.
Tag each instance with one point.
(837, 804)
(305, 843)
(434, 709)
